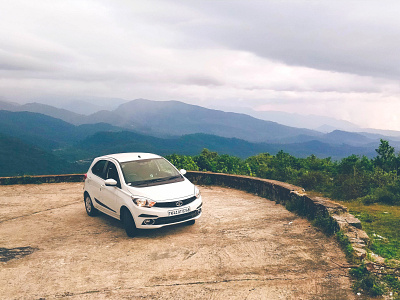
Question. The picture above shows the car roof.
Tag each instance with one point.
(124, 157)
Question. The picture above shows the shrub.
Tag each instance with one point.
(313, 180)
(366, 282)
(326, 223)
(369, 199)
(346, 246)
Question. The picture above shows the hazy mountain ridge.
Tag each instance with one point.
(58, 141)
(71, 148)
(176, 118)
(313, 122)
(45, 131)
(107, 142)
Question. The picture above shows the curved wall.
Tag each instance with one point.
(294, 198)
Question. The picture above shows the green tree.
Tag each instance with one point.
(206, 160)
(386, 158)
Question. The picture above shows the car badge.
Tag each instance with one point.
(179, 203)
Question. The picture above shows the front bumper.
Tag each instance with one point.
(155, 217)
(179, 218)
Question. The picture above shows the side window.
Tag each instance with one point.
(111, 172)
(98, 168)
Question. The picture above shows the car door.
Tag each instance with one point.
(95, 180)
(109, 194)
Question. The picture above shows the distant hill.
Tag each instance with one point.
(174, 118)
(107, 142)
(36, 129)
(63, 114)
(19, 158)
(344, 137)
(299, 120)
(44, 131)
(159, 127)
(82, 105)
(5, 105)
(33, 143)
(48, 110)
(112, 142)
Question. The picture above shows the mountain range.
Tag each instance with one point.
(71, 140)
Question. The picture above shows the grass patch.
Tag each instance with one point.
(346, 246)
(381, 222)
(366, 282)
(326, 223)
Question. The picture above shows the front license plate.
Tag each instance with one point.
(178, 211)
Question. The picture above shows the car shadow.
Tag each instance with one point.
(163, 231)
(145, 233)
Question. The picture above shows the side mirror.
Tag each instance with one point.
(110, 182)
(182, 171)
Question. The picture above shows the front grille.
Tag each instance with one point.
(173, 203)
(178, 218)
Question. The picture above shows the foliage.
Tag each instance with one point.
(326, 223)
(373, 180)
(386, 157)
(366, 282)
(18, 158)
(393, 284)
(346, 246)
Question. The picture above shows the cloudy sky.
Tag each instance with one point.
(330, 58)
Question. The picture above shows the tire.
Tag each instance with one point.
(191, 222)
(90, 210)
(129, 223)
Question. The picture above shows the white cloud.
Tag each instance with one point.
(336, 59)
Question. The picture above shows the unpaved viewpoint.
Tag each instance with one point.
(243, 247)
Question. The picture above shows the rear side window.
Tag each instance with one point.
(98, 168)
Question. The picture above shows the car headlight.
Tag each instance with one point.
(143, 202)
(197, 192)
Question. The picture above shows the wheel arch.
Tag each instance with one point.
(121, 212)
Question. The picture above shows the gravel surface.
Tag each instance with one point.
(242, 247)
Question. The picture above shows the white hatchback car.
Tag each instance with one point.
(142, 190)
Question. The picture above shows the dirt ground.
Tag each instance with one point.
(243, 247)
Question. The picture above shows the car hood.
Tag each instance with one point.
(165, 192)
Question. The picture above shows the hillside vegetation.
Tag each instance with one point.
(354, 177)
(18, 158)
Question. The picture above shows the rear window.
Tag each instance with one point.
(98, 168)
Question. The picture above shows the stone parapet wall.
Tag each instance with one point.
(295, 197)
(42, 179)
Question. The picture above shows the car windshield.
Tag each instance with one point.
(149, 172)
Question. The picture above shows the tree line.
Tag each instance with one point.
(351, 178)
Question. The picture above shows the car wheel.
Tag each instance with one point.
(91, 211)
(129, 223)
(191, 222)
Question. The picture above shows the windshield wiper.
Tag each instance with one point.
(139, 183)
(149, 182)
(173, 177)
